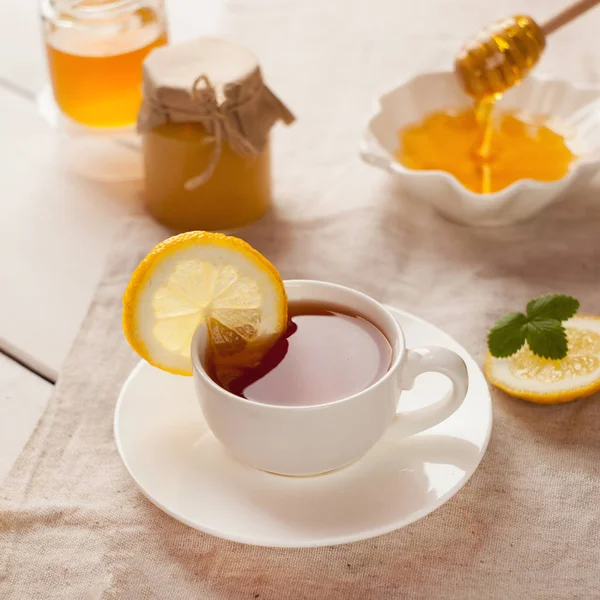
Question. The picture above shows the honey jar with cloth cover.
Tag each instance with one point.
(205, 122)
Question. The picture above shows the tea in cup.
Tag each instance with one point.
(325, 392)
(326, 354)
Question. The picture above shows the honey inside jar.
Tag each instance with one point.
(237, 193)
(95, 51)
(486, 152)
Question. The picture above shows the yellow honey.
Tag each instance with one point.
(95, 52)
(237, 193)
(485, 153)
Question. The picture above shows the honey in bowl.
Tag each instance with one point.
(486, 152)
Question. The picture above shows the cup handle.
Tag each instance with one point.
(438, 360)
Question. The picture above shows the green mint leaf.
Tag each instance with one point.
(552, 306)
(507, 335)
(546, 338)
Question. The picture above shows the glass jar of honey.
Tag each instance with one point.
(95, 50)
(205, 122)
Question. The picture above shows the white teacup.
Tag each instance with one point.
(307, 440)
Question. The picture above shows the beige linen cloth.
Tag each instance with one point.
(73, 524)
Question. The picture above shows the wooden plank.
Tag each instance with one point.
(22, 61)
(23, 397)
(55, 232)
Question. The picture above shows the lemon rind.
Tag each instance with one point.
(163, 251)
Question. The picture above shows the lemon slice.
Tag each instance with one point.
(200, 277)
(545, 381)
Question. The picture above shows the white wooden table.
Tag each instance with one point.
(56, 226)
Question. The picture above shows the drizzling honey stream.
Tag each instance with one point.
(495, 61)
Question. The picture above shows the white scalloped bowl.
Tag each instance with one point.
(573, 111)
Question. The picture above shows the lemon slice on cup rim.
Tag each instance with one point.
(545, 381)
(202, 277)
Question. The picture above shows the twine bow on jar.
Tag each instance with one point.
(218, 119)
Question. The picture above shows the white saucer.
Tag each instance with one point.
(179, 465)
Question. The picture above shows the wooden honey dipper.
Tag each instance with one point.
(502, 55)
